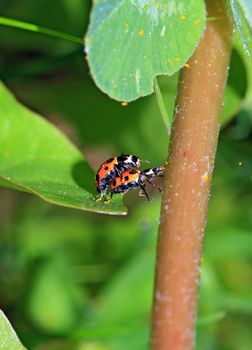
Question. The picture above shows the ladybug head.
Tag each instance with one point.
(135, 161)
(154, 172)
(129, 160)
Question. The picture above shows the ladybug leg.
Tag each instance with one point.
(97, 199)
(102, 189)
(160, 189)
(154, 185)
(144, 191)
(141, 193)
(151, 183)
(108, 199)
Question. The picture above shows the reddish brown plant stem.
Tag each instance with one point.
(186, 192)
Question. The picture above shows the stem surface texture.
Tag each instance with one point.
(187, 183)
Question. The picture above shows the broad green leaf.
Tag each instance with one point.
(8, 338)
(129, 42)
(242, 14)
(36, 158)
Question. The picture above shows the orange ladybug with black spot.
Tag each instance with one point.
(111, 169)
(133, 179)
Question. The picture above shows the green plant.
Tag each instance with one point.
(121, 34)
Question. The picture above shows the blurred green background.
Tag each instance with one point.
(81, 281)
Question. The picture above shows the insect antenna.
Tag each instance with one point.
(144, 161)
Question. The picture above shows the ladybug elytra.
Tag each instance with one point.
(133, 179)
(111, 169)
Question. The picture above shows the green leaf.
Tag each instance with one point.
(246, 6)
(36, 158)
(242, 14)
(129, 43)
(8, 339)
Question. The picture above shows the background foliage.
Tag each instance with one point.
(75, 280)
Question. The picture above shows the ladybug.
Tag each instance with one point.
(132, 179)
(111, 169)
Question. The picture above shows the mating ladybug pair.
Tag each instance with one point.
(121, 174)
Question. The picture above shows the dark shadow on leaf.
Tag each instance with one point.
(84, 176)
